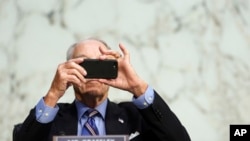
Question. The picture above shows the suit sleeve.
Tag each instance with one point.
(31, 129)
(163, 121)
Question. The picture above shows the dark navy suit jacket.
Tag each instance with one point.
(155, 123)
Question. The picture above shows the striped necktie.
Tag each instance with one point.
(89, 128)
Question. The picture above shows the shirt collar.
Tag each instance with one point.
(82, 108)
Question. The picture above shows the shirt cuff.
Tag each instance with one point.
(144, 100)
(44, 113)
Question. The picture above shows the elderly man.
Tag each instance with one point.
(147, 117)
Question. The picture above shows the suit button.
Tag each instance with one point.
(159, 114)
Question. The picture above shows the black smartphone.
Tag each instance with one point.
(96, 68)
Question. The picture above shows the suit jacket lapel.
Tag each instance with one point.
(116, 120)
(67, 121)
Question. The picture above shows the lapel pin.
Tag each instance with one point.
(121, 120)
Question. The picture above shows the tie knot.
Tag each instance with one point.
(91, 113)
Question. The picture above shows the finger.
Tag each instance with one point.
(76, 60)
(103, 49)
(124, 50)
(72, 79)
(110, 53)
(106, 81)
(76, 73)
(73, 65)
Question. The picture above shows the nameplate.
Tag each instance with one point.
(91, 138)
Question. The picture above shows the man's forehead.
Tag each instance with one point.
(91, 44)
(94, 42)
(88, 48)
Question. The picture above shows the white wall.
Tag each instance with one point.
(194, 53)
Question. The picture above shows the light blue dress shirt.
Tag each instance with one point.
(46, 114)
(99, 120)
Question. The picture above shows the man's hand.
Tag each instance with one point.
(67, 74)
(127, 78)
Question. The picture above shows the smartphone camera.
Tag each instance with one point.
(96, 68)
